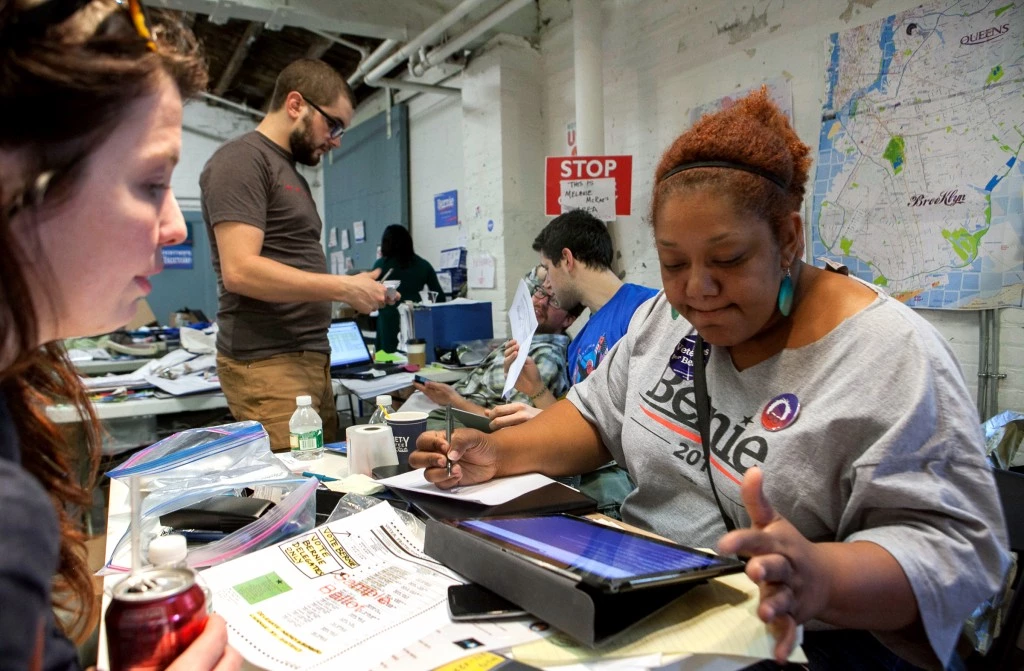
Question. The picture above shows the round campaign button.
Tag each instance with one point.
(780, 412)
(681, 361)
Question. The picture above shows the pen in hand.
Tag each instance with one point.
(448, 436)
(386, 275)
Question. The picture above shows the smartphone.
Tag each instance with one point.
(420, 379)
(473, 602)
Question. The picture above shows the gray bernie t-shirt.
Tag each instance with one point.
(254, 181)
(886, 448)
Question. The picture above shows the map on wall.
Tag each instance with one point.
(920, 181)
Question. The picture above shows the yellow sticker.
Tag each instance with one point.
(481, 661)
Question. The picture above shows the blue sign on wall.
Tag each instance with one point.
(177, 257)
(446, 209)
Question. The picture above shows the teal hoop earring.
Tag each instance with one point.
(786, 294)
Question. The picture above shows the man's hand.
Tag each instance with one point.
(363, 292)
(791, 572)
(529, 381)
(511, 414)
(439, 392)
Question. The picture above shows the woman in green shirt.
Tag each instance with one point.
(414, 273)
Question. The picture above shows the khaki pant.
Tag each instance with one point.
(264, 390)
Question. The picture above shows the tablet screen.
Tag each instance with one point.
(592, 549)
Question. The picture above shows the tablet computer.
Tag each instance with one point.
(472, 420)
(611, 559)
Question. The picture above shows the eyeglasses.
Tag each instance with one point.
(140, 19)
(539, 292)
(335, 127)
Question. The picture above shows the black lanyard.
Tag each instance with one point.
(700, 387)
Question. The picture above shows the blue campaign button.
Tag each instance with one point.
(780, 412)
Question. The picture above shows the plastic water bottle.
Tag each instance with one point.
(383, 409)
(306, 431)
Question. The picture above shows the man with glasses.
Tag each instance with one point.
(275, 293)
(481, 389)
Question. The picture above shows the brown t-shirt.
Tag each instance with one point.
(253, 181)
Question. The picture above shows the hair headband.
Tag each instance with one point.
(733, 165)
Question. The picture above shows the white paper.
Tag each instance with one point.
(332, 238)
(445, 280)
(337, 263)
(181, 373)
(480, 271)
(359, 229)
(76, 354)
(342, 596)
(596, 196)
(523, 322)
(344, 239)
(450, 257)
(381, 385)
(492, 493)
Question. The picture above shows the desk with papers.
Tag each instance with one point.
(714, 626)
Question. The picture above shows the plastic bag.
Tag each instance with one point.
(1004, 435)
(351, 503)
(194, 465)
(295, 514)
(290, 515)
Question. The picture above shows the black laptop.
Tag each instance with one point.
(350, 358)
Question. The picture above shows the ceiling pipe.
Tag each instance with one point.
(432, 33)
(439, 55)
(230, 103)
(587, 32)
(363, 51)
(420, 88)
(365, 65)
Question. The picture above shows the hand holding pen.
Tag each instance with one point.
(448, 437)
(364, 292)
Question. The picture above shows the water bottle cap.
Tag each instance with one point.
(384, 399)
(169, 549)
(303, 400)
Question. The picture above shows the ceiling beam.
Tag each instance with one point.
(319, 47)
(252, 31)
(379, 19)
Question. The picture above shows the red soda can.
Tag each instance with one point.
(153, 616)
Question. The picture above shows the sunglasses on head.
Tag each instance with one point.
(334, 125)
(39, 17)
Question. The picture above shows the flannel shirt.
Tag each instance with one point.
(484, 383)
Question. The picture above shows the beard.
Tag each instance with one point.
(302, 145)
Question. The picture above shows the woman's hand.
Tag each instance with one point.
(511, 414)
(475, 459)
(791, 572)
(529, 381)
(210, 651)
(439, 392)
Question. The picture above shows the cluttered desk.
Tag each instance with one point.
(369, 587)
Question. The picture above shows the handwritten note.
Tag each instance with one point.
(481, 271)
(596, 196)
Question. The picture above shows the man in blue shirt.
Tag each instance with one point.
(576, 250)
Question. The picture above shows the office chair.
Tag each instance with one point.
(1004, 653)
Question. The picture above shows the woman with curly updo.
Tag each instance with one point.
(824, 428)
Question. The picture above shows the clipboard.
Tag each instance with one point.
(552, 498)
